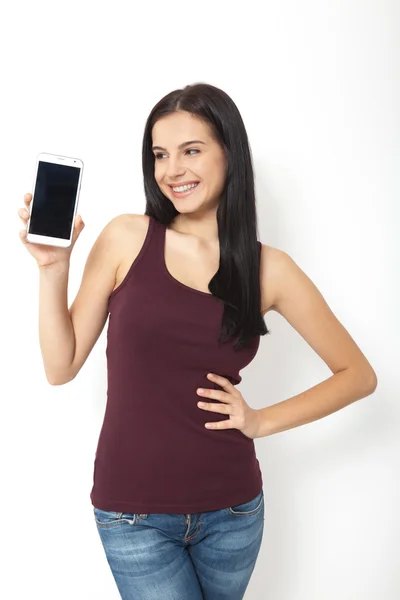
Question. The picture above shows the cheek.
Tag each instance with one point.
(158, 174)
(219, 178)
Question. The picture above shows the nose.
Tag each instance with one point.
(174, 168)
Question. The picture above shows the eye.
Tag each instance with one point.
(159, 154)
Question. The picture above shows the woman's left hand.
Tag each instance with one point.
(241, 416)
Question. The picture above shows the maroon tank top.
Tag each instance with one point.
(154, 454)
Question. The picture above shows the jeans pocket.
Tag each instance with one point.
(249, 508)
(106, 519)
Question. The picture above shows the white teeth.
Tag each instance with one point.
(184, 188)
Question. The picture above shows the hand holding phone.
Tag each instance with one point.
(46, 255)
(55, 199)
(50, 214)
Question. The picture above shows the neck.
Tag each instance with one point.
(205, 229)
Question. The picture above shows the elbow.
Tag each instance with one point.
(371, 382)
(55, 382)
(367, 377)
(374, 384)
(57, 379)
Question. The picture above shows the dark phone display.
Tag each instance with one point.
(53, 203)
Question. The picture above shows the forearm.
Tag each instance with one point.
(56, 333)
(325, 398)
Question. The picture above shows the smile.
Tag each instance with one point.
(183, 191)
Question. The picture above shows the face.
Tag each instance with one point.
(202, 162)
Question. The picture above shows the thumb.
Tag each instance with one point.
(79, 221)
(78, 227)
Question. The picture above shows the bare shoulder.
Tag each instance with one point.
(127, 233)
(127, 224)
(270, 272)
(280, 277)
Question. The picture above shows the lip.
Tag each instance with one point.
(172, 185)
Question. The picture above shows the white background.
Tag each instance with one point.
(317, 84)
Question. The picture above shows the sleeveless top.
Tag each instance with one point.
(154, 454)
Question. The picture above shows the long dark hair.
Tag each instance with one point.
(237, 281)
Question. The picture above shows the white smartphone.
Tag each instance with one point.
(54, 202)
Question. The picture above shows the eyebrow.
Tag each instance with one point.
(180, 145)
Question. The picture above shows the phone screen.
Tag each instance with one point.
(54, 200)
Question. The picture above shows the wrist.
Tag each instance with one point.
(55, 270)
(263, 429)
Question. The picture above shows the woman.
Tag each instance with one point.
(177, 492)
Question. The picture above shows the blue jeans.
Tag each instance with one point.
(197, 556)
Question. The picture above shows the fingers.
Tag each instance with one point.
(22, 235)
(23, 215)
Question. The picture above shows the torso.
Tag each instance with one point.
(187, 261)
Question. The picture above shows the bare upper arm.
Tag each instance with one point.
(89, 310)
(268, 264)
(298, 300)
